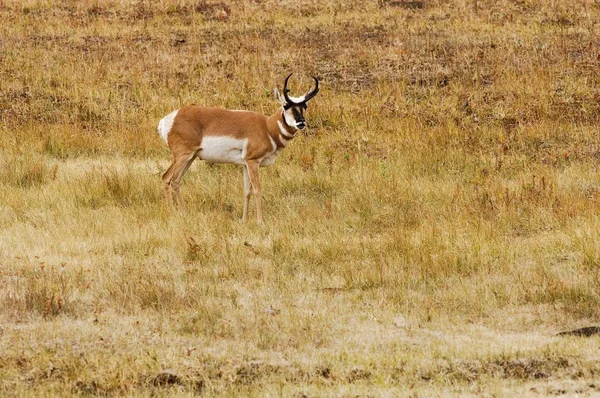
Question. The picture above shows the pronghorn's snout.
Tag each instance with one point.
(301, 124)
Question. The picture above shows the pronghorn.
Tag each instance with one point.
(218, 135)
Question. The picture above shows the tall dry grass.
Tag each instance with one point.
(428, 234)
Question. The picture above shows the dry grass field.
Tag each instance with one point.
(429, 234)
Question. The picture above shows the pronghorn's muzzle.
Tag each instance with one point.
(301, 125)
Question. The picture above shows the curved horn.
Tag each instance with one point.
(286, 90)
(312, 92)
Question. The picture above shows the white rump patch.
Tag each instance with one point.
(219, 149)
(166, 124)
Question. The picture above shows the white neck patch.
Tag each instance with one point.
(273, 144)
(284, 141)
(284, 131)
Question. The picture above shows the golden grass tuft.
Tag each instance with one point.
(26, 171)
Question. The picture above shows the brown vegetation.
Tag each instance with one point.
(430, 233)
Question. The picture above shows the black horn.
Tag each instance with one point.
(312, 92)
(286, 90)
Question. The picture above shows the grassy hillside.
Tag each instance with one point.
(429, 233)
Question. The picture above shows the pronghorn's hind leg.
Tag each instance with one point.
(166, 182)
(173, 176)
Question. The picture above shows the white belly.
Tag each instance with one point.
(223, 150)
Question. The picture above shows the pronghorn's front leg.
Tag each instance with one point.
(247, 192)
(252, 167)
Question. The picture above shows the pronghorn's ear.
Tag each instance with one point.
(279, 97)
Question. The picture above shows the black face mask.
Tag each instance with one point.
(298, 114)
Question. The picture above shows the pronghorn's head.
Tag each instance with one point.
(294, 107)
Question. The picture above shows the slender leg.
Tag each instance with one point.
(252, 166)
(172, 177)
(166, 182)
(177, 179)
(247, 193)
